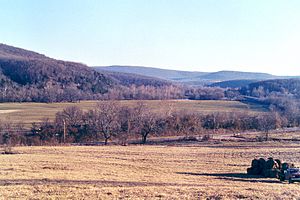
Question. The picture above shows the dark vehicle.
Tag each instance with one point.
(291, 174)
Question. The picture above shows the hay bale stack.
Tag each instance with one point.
(268, 168)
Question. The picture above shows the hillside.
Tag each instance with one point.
(235, 75)
(189, 77)
(233, 83)
(29, 76)
(173, 75)
(128, 79)
(279, 87)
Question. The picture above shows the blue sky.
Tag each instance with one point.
(198, 35)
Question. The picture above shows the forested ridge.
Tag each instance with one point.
(29, 76)
(288, 87)
(26, 76)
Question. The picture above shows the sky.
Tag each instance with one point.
(193, 35)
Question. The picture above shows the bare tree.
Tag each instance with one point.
(144, 122)
(69, 121)
(126, 119)
(107, 119)
(148, 125)
(268, 122)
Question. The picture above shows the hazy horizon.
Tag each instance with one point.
(191, 70)
(195, 35)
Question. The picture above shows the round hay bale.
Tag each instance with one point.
(250, 171)
(270, 164)
(262, 160)
(254, 163)
(276, 165)
(259, 171)
(279, 163)
(262, 164)
(266, 173)
(253, 171)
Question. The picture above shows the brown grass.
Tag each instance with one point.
(143, 172)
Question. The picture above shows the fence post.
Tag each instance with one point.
(65, 130)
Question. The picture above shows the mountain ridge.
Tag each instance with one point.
(151, 71)
(29, 76)
(192, 77)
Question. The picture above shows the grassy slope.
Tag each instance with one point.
(142, 172)
(33, 112)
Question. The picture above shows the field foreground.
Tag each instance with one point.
(142, 172)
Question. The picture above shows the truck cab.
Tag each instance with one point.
(292, 175)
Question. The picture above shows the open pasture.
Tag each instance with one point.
(143, 172)
(35, 112)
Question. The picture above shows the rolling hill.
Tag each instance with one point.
(128, 79)
(33, 77)
(235, 75)
(172, 75)
(279, 87)
(233, 83)
(192, 78)
(30, 76)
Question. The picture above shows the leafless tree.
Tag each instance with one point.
(68, 121)
(148, 125)
(107, 119)
(268, 122)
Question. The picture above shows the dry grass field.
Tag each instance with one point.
(173, 171)
(186, 171)
(34, 112)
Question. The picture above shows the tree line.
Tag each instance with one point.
(111, 121)
(12, 93)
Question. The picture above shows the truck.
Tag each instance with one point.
(290, 174)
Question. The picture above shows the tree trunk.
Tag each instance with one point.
(105, 141)
(267, 135)
(144, 139)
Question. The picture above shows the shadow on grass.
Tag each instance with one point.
(102, 183)
(240, 177)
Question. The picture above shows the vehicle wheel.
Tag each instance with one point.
(290, 180)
